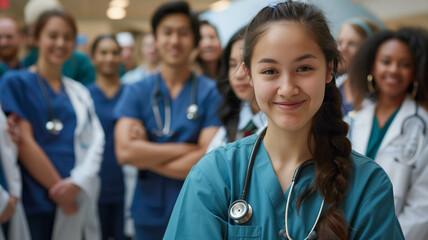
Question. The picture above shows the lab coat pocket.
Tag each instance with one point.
(85, 136)
(400, 178)
(236, 232)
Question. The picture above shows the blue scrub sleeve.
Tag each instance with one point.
(129, 104)
(376, 217)
(199, 212)
(12, 97)
(212, 103)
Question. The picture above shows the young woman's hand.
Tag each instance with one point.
(13, 128)
(9, 210)
(64, 194)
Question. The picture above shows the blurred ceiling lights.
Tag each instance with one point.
(117, 9)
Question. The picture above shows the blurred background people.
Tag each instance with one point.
(149, 60)
(351, 35)
(239, 113)
(61, 139)
(388, 77)
(209, 50)
(10, 42)
(13, 223)
(82, 44)
(78, 66)
(126, 42)
(175, 111)
(106, 91)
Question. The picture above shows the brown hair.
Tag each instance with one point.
(46, 16)
(332, 147)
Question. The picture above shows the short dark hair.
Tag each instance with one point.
(46, 16)
(102, 37)
(175, 7)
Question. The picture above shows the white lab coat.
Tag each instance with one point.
(18, 226)
(245, 116)
(89, 142)
(410, 185)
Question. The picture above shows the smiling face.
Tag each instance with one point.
(393, 69)
(289, 77)
(10, 39)
(174, 39)
(106, 57)
(148, 49)
(56, 41)
(209, 45)
(238, 78)
(348, 42)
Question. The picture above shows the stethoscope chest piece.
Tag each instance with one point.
(54, 126)
(240, 211)
(192, 112)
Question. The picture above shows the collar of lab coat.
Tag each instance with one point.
(245, 115)
(362, 123)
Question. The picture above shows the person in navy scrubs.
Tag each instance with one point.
(175, 110)
(334, 194)
(106, 92)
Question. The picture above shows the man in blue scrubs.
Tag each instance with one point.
(165, 154)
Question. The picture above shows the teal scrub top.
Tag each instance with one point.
(201, 210)
(377, 134)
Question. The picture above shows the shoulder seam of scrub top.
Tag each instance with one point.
(204, 175)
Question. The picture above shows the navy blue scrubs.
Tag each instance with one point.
(20, 93)
(155, 195)
(111, 202)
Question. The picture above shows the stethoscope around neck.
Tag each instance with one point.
(240, 211)
(54, 126)
(164, 129)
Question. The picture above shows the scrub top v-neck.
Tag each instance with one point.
(155, 195)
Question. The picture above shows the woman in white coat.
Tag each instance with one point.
(61, 139)
(12, 217)
(388, 76)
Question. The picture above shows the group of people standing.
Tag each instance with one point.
(316, 113)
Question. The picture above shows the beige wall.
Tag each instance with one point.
(414, 21)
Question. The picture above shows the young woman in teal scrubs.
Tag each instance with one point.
(290, 57)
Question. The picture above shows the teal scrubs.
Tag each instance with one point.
(377, 134)
(201, 211)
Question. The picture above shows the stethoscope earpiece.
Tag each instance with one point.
(240, 211)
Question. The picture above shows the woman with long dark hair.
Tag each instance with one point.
(239, 113)
(299, 178)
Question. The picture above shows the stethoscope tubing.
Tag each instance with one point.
(248, 209)
(411, 162)
(164, 129)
